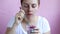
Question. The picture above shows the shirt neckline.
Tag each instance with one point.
(26, 31)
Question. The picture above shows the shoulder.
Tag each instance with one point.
(44, 24)
(43, 19)
(11, 22)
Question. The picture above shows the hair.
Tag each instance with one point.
(38, 2)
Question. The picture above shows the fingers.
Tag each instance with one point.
(21, 10)
(19, 16)
(35, 30)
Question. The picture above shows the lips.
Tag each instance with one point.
(29, 13)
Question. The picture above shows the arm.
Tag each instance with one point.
(7, 31)
(9, 26)
(11, 30)
(14, 22)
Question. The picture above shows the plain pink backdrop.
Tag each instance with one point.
(48, 8)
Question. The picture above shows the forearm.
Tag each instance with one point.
(11, 30)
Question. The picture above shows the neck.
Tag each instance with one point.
(31, 19)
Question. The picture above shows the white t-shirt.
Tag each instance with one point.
(42, 23)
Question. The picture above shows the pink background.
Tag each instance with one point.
(48, 8)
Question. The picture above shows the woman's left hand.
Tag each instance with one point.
(35, 31)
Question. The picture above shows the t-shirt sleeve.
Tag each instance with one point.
(11, 22)
(45, 26)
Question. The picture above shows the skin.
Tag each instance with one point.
(30, 7)
(27, 7)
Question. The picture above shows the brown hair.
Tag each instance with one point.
(38, 2)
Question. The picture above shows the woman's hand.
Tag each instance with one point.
(19, 16)
(35, 30)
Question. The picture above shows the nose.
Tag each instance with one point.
(30, 9)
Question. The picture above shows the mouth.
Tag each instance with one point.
(29, 14)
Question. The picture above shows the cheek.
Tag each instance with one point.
(25, 9)
(35, 10)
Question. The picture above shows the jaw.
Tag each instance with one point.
(29, 18)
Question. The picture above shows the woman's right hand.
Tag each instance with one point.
(19, 16)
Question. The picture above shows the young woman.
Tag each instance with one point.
(27, 18)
